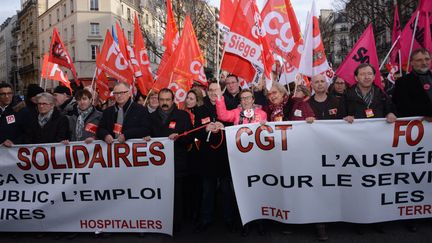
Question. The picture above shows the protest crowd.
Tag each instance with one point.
(197, 125)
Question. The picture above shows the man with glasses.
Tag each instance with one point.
(232, 86)
(10, 131)
(125, 120)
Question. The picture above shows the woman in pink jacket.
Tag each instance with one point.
(247, 112)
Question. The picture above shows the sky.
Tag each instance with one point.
(8, 9)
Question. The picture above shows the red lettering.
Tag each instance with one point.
(26, 165)
(269, 140)
(398, 132)
(136, 154)
(240, 147)
(158, 153)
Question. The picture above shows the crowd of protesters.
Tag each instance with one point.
(200, 157)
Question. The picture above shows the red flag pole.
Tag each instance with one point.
(400, 62)
(92, 83)
(412, 39)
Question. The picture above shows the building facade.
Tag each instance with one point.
(8, 52)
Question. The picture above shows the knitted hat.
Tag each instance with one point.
(62, 90)
(33, 90)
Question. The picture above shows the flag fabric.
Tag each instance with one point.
(185, 65)
(226, 14)
(282, 30)
(102, 87)
(145, 83)
(422, 37)
(313, 59)
(364, 51)
(52, 71)
(247, 52)
(58, 54)
(425, 6)
(112, 61)
(171, 38)
(114, 34)
(394, 57)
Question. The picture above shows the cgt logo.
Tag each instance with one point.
(413, 131)
(263, 137)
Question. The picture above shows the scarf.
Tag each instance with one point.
(43, 119)
(367, 98)
(82, 116)
(164, 115)
(277, 109)
(191, 116)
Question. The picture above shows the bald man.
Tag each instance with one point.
(325, 107)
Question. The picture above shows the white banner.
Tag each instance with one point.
(93, 187)
(368, 171)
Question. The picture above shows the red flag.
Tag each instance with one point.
(102, 85)
(251, 57)
(145, 82)
(425, 5)
(58, 54)
(52, 71)
(394, 58)
(171, 38)
(313, 59)
(185, 65)
(421, 39)
(282, 30)
(364, 51)
(226, 13)
(112, 61)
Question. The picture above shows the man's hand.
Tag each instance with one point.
(219, 126)
(173, 136)
(147, 138)
(65, 142)
(391, 118)
(428, 118)
(121, 138)
(8, 143)
(109, 139)
(349, 119)
(310, 119)
(89, 140)
(211, 127)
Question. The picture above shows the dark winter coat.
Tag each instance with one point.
(92, 120)
(54, 131)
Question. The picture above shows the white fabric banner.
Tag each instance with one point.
(93, 187)
(368, 171)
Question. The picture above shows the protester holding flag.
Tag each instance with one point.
(50, 126)
(365, 99)
(213, 166)
(125, 120)
(169, 121)
(65, 102)
(84, 124)
(413, 93)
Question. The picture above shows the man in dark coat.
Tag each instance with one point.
(65, 102)
(413, 92)
(50, 126)
(10, 129)
(125, 120)
(365, 99)
(169, 121)
(324, 106)
(214, 166)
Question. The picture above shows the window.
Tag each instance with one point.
(129, 36)
(146, 19)
(43, 46)
(49, 20)
(129, 14)
(42, 25)
(94, 28)
(72, 31)
(65, 34)
(93, 51)
(58, 15)
(94, 5)
(64, 10)
(72, 6)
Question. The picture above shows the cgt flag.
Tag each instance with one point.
(58, 54)
(52, 71)
(364, 51)
(112, 61)
(171, 38)
(146, 81)
(250, 52)
(394, 57)
(102, 85)
(185, 65)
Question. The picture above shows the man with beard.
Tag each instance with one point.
(169, 121)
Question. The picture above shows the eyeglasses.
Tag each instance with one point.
(246, 98)
(43, 104)
(272, 93)
(120, 92)
(8, 94)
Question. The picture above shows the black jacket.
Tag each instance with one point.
(92, 119)
(410, 97)
(135, 123)
(54, 131)
(10, 126)
(381, 104)
(330, 109)
(178, 122)
(213, 154)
